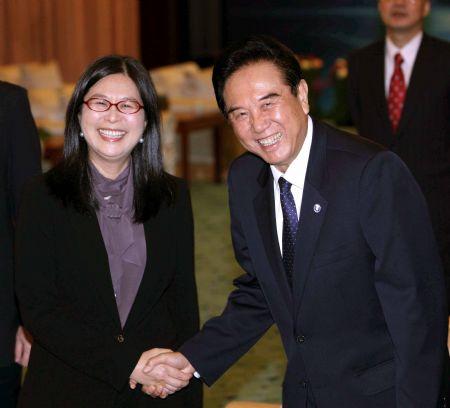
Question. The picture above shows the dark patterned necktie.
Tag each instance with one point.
(290, 223)
(397, 93)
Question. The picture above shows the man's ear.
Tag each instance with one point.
(426, 8)
(302, 95)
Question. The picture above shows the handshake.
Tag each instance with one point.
(161, 372)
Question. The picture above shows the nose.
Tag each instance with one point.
(112, 113)
(260, 122)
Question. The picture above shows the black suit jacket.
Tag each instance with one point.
(423, 136)
(20, 158)
(365, 323)
(81, 357)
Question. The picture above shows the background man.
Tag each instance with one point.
(400, 97)
(20, 158)
(399, 91)
(334, 237)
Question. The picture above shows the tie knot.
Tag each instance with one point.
(398, 59)
(285, 186)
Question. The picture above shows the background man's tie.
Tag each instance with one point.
(397, 92)
(290, 224)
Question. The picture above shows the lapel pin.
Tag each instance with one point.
(317, 208)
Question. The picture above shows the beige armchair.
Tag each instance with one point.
(47, 92)
(186, 86)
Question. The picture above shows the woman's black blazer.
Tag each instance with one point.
(81, 356)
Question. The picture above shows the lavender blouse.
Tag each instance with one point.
(124, 240)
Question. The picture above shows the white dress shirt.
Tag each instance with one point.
(409, 54)
(295, 174)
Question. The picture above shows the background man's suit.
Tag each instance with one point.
(365, 323)
(19, 159)
(423, 136)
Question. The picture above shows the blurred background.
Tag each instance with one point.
(46, 44)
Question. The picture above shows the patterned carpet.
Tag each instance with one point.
(258, 375)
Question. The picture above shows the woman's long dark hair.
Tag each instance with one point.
(71, 180)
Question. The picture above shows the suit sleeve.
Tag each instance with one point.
(184, 304)
(24, 146)
(20, 161)
(246, 317)
(408, 276)
(73, 341)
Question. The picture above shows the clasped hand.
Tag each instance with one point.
(161, 372)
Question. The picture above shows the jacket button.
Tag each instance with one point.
(120, 338)
(300, 339)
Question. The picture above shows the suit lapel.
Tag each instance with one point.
(265, 216)
(94, 259)
(156, 277)
(417, 84)
(376, 76)
(312, 213)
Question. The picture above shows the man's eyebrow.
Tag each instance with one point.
(232, 109)
(268, 96)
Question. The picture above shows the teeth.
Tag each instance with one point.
(111, 133)
(271, 140)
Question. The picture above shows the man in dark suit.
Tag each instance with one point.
(419, 131)
(334, 237)
(19, 159)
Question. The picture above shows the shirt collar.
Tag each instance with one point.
(107, 186)
(408, 51)
(296, 171)
(114, 195)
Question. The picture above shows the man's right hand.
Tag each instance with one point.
(162, 366)
(161, 380)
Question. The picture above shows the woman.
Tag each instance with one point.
(105, 251)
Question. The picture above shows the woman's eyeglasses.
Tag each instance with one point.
(102, 105)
